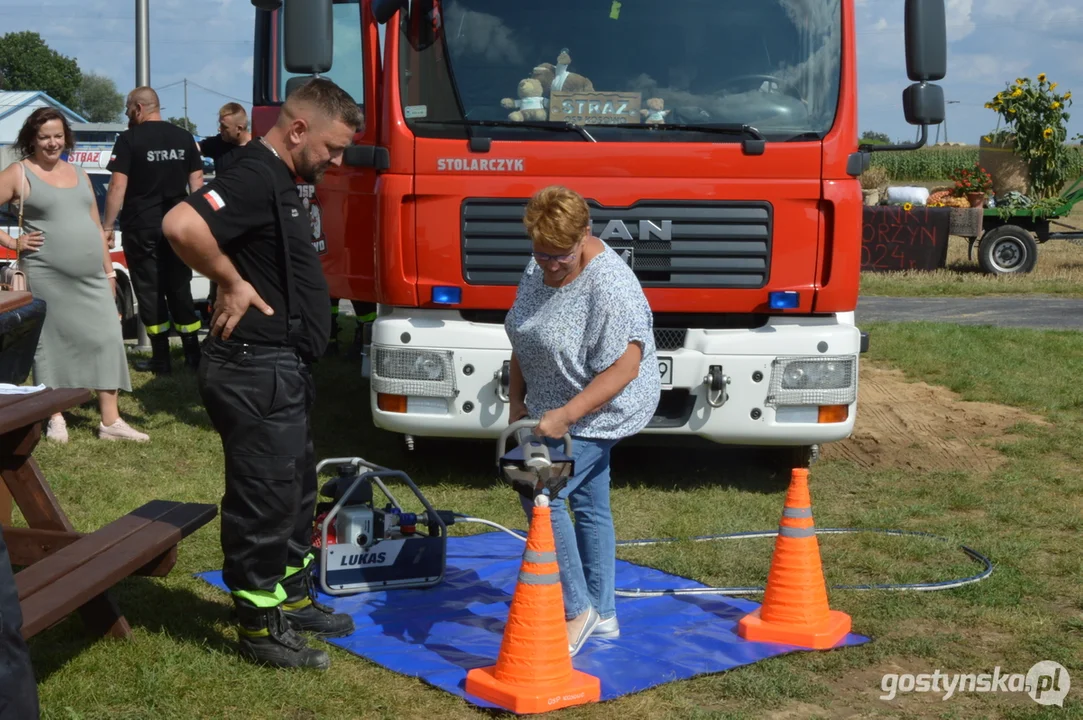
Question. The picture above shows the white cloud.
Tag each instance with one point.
(987, 69)
(959, 22)
(990, 42)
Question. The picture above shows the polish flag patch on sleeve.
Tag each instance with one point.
(215, 200)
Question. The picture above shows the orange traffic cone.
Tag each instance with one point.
(794, 609)
(534, 672)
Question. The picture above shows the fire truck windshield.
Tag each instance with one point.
(772, 64)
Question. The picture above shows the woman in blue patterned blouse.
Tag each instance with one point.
(583, 362)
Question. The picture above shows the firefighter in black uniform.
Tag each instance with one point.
(155, 164)
(364, 312)
(271, 321)
(233, 133)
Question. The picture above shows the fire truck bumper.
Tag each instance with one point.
(791, 382)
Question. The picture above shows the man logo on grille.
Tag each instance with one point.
(627, 255)
(647, 229)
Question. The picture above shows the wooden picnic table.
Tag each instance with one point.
(65, 570)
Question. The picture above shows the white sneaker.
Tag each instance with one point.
(57, 431)
(607, 629)
(121, 430)
(575, 643)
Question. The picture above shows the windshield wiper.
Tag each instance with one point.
(805, 136)
(538, 124)
(753, 144)
(718, 128)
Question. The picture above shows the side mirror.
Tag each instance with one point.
(926, 62)
(923, 104)
(926, 40)
(308, 36)
(268, 5)
(382, 10)
(424, 23)
(295, 82)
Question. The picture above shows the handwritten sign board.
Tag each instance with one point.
(896, 239)
(596, 108)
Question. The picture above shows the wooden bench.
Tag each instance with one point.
(64, 570)
(82, 567)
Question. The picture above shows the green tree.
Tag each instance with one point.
(27, 63)
(184, 123)
(873, 138)
(98, 100)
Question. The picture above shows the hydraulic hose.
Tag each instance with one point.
(986, 563)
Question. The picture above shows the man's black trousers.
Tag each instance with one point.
(162, 282)
(18, 691)
(260, 401)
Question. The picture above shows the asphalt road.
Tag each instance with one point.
(1044, 312)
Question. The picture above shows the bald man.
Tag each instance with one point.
(155, 164)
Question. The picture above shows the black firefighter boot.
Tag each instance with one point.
(159, 360)
(357, 345)
(266, 637)
(307, 614)
(192, 350)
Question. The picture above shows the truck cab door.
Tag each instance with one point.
(342, 206)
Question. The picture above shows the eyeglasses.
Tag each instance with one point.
(546, 257)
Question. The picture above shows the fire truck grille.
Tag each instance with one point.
(711, 244)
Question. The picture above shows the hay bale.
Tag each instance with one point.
(1008, 170)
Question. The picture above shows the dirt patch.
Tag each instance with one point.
(919, 426)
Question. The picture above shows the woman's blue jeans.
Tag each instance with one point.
(587, 552)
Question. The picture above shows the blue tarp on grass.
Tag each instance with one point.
(437, 634)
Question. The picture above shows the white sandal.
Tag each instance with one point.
(57, 430)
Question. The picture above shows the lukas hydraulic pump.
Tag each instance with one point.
(364, 547)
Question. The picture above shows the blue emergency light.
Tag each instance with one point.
(447, 295)
(784, 299)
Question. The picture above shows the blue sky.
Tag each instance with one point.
(210, 42)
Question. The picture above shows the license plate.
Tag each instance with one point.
(665, 369)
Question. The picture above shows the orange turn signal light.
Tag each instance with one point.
(834, 413)
(394, 403)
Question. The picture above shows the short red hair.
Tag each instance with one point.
(557, 217)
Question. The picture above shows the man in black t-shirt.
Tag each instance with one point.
(248, 231)
(155, 164)
(232, 133)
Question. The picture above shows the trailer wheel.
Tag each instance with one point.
(1008, 250)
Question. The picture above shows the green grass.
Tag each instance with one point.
(1059, 272)
(935, 162)
(1026, 516)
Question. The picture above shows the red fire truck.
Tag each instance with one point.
(715, 140)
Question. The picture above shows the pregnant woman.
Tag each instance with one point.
(66, 259)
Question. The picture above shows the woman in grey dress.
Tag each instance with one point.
(66, 258)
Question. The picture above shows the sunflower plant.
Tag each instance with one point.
(1036, 118)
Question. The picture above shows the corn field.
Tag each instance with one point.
(931, 164)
